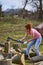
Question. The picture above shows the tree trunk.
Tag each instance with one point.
(0, 10)
(40, 10)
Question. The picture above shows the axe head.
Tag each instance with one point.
(8, 38)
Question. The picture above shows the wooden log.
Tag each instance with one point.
(6, 62)
(15, 46)
(1, 56)
(24, 50)
(2, 44)
(17, 51)
(37, 58)
(19, 59)
(15, 64)
(12, 53)
(39, 63)
(7, 47)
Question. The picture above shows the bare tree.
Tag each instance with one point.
(24, 11)
(25, 4)
(40, 10)
(38, 5)
(35, 3)
(0, 9)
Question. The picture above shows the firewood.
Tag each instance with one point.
(37, 58)
(19, 59)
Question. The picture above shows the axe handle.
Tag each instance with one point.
(9, 38)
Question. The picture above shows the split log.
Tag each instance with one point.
(1, 56)
(6, 62)
(15, 64)
(7, 47)
(12, 53)
(15, 51)
(37, 58)
(19, 59)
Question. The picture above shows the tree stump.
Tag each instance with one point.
(19, 59)
(6, 62)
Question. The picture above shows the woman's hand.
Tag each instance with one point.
(25, 42)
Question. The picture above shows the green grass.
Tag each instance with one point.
(13, 26)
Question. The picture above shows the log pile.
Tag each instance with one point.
(16, 58)
(19, 55)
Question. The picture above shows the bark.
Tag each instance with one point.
(19, 59)
(40, 10)
(7, 47)
(39, 63)
(37, 58)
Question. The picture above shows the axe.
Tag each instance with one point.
(9, 38)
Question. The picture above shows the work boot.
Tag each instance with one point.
(26, 57)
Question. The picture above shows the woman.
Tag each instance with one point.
(35, 39)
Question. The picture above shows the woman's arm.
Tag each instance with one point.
(32, 38)
(24, 37)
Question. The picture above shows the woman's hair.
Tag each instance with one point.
(28, 26)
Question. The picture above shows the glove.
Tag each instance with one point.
(25, 42)
(19, 40)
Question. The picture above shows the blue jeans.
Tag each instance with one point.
(36, 44)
